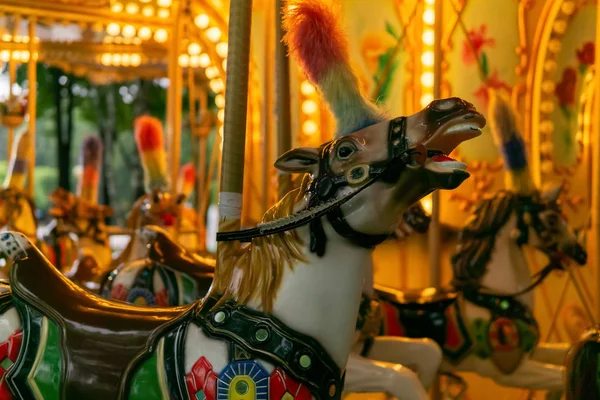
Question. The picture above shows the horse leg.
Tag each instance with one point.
(367, 376)
(551, 353)
(534, 375)
(422, 355)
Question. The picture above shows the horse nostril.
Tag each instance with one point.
(445, 105)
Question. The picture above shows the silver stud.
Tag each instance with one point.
(219, 317)
(305, 361)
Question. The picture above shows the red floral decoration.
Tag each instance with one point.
(586, 54)
(478, 41)
(493, 82)
(565, 89)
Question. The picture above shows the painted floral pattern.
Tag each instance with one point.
(473, 53)
(377, 49)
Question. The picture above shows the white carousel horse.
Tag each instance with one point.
(279, 320)
(484, 322)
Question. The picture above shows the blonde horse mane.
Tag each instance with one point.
(257, 269)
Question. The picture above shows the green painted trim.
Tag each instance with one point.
(174, 362)
(45, 377)
(189, 288)
(148, 381)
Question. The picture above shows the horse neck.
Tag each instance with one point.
(320, 298)
(508, 269)
(23, 222)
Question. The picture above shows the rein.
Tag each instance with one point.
(324, 202)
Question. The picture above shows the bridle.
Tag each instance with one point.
(323, 192)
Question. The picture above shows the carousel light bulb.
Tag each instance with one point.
(211, 72)
(427, 79)
(164, 13)
(128, 31)
(194, 61)
(163, 3)
(117, 7)
(145, 33)
(221, 134)
(194, 49)
(224, 65)
(24, 55)
(432, 2)
(16, 55)
(204, 60)
(427, 204)
(428, 37)
(161, 35)
(307, 88)
(6, 37)
(113, 29)
(132, 8)
(217, 85)
(427, 58)
(5, 56)
(136, 59)
(184, 60)
(221, 115)
(116, 59)
(126, 60)
(222, 49)
(309, 127)
(426, 99)
(148, 11)
(220, 101)
(309, 107)
(213, 34)
(202, 21)
(105, 59)
(429, 17)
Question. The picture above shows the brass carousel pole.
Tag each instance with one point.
(234, 126)
(174, 97)
(268, 106)
(203, 131)
(12, 78)
(595, 245)
(283, 107)
(435, 257)
(32, 77)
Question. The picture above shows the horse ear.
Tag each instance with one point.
(553, 194)
(299, 160)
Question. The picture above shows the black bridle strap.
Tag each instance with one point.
(343, 228)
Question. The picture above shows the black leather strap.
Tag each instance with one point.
(264, 336)
(343, 228)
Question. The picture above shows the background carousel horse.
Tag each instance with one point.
(583, 367)
(279, 320)
(17, 209)
(484, 322)
(78, 232)
(143, 274)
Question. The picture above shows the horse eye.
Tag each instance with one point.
(345, 151)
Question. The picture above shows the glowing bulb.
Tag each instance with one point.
(145, 33)
(427, 79)
(220, 101)
(432, 2)
(113, 29)
(307, 88)
(222, 49)
(309, 107)
(136, 59)
(184, 60)
(211, 72)
(125, 60)
(116, 59)
(429, 37)
(221, 115)
(221, 130)
(427, 58)
(224, 65)
(163, 3)
(429, 17)
(161, 35)
(194, 61)
(117, 7)
(426, 99)
(148, 11)
(128, 31)
(204, 60)
(202, 21)
(164, 13)
(194, 49)
(309, 127)
(213, 34)
(217, 85)
(24, 55)
(5, 56)
(132, 8)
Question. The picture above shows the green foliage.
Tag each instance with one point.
(389, 28)
(484, 65)
(386, 86)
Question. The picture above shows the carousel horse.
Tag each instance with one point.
(279, 318)
(583, 367)
(17, 209)
(78, 231)
(140, 274)
(484, 321)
